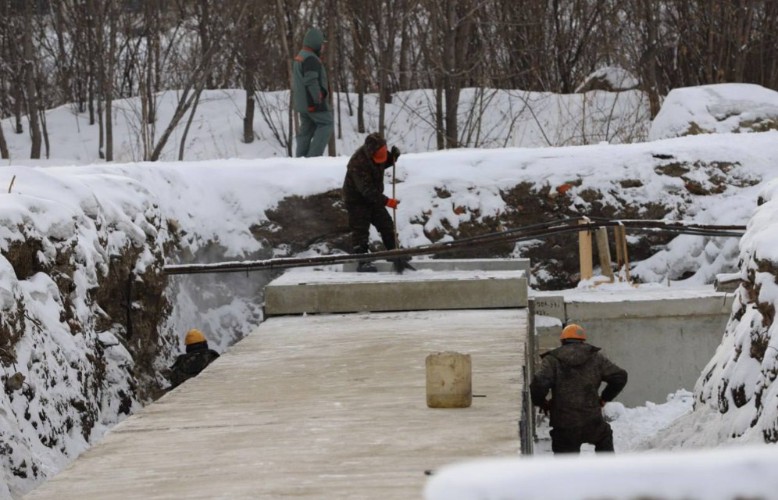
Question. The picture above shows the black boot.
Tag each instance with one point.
(400, 264)
(366, 267)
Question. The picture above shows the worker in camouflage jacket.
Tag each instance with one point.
(363, 195)
(309, 94)
(573, 373)
(196, 358)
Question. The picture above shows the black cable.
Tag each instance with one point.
(524, 233)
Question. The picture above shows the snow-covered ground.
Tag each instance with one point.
(489, 118)
(99, 209)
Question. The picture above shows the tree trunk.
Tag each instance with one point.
(109, 79)
(203, 29)
(249, 73)
(450, 76)
(360, 52)
(650, 78)
(182, 146)
(29, 77)
(286, 33)
(405, 70)
(439, 134)
(3, 145)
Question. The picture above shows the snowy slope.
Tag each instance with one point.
(488, 118)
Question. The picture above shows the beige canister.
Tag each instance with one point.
(449, 380)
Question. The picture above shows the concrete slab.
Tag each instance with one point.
(453, 265)
(326, 406)
(336, 292)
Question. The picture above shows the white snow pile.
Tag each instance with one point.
(716, 109)
(736, 395)
(723, 474)
(611, 78)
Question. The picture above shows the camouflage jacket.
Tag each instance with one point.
(364, 182)
(190, 364)
(573, 373)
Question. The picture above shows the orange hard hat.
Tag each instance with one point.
(573, 332)
(194, 336)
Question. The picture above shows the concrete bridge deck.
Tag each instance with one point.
(317, 406)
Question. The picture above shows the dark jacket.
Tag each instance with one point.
(188, 365)
(573, 373)
(364, 182)
(309, 78)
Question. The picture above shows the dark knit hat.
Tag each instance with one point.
(373, 143)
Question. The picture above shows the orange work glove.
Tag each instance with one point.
(392, 202)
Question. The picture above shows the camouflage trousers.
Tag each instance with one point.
(360, 217)
(570, 439)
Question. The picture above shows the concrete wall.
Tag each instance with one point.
(663, 344)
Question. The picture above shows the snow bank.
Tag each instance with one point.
(716, 109)
(78, 376)
(722, 474)
(739, 382)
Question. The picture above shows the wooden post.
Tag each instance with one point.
(626, 254)
(585, 251)
(620, 234)
(604, 251)
(619, 256)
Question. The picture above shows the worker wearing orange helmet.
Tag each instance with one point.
(573, 373)
(196, 358)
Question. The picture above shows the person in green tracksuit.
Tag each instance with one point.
(309, 94)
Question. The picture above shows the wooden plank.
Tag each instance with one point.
(604, 251)
(321, 406)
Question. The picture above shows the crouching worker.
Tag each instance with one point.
(363, 194)
(573, 373)
(196, 358)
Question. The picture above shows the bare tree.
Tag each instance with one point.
(3, 146)
(108, 78)
(91, 52)
(29, 79)
(285, 19)
(574, 24)
(197, 79)
(454, 24)
(248, 50)
(360, 39)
